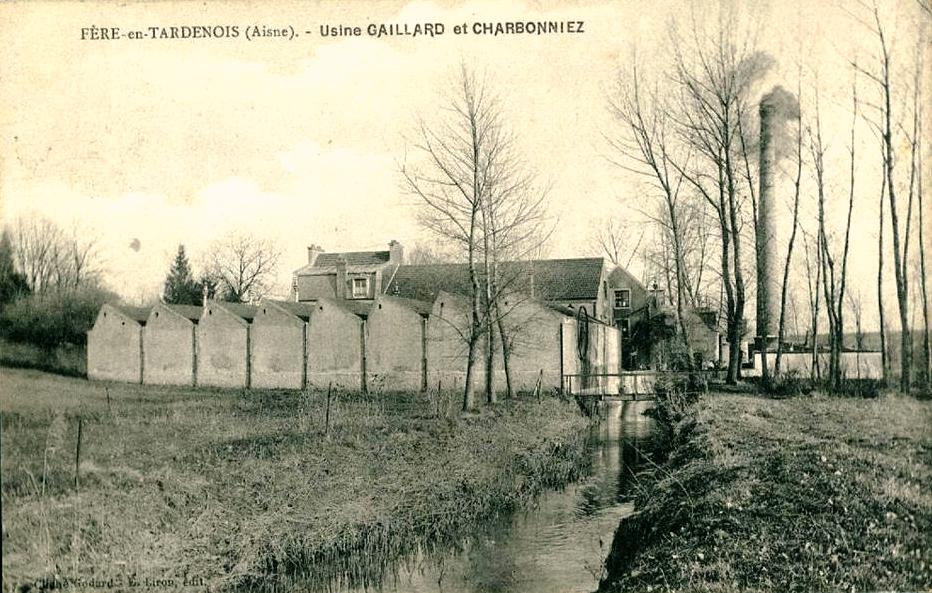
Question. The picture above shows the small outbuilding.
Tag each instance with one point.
(336, 345)
(115, 344)
(396, 343)
(223, 344)
(170, 340)
(280, 344)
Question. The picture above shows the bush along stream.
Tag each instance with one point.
(809, 493)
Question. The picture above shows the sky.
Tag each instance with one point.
(148, 143)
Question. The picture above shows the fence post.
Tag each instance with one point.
(77, 454)
(327, 417)
(540, 378)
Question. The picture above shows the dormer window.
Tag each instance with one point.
(623, 299)
(360, 288)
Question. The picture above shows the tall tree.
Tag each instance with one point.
(833, 280)
(644, 148)
(797, 182)
(243, 267)
(458, 155)
(715, 75)
(180, 286)
(883, 77)
(51, 258)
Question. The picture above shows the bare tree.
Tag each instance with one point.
(915, 192)
(514, 227)
(881, 315)
(52, 259)
(459, 153)
(833, 280)
(715, 77)
(781, 326)
(927, 352)
(644, 148)
(425, 253)
(616, 241)
(243, 266)
(814, 302)
(855, 305)
(884, 82)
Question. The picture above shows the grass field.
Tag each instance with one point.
(802, 494)
(233, 488)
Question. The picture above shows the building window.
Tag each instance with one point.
(625, 325)
(623, 299)
(360, 288)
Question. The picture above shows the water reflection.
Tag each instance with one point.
(557, 546)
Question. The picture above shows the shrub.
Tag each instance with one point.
(674, 399)
(788, 384)
(49, 320)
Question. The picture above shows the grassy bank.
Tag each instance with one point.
(804, 494)
(230, 487)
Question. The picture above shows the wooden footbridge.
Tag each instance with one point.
(627, 385)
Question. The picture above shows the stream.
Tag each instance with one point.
(556, 546)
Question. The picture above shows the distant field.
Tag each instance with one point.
(802, 494)
(232, 486)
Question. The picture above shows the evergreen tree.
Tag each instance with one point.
(12, 284)
(180, 287)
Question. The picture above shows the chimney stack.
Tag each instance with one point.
(776, 107)
(396, 252)
(340, 289)
(312, 252)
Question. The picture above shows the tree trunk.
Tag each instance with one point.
(678, 262)
(490, 394)
(884, 362)
(506, 354)
(899, 269)
(489, 303)
(815, 371)
(781, 327)
(740, 294)
(927, 353)
(475, 330)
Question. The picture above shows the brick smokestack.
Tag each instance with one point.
(776, 108)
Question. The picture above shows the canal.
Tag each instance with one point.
(556, 546)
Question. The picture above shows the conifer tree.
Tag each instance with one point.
(180, 286)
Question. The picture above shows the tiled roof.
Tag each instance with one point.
(300, 310)
(421, 307)
(247, 312)
(424, 282)
(360, 308)
(352, 258)
(563, 309)
(191, 312)
(140, 314)
(552, 279)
